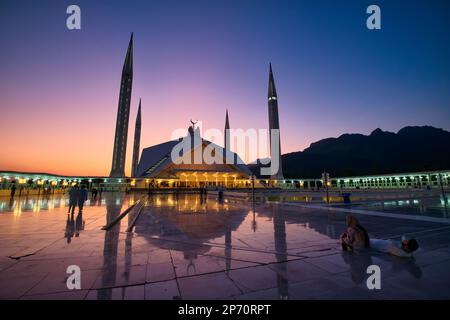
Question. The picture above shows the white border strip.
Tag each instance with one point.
(374, 213)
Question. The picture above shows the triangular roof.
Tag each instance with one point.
(156, 158)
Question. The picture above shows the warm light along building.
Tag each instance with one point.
(157, 165)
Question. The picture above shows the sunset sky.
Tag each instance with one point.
(193, 59)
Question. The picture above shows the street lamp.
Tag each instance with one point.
(326, 181)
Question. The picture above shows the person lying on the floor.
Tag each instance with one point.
(403, 249)
(356, 237)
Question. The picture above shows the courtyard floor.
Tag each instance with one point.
(186, 247)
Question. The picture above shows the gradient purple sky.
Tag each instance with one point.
(193, 59)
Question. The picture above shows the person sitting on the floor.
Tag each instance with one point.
(403, 249)
(356, 237)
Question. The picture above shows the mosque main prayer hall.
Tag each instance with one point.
(156, 166)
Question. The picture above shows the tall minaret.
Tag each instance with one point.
(137, 142)
(226, 143)
(228, 156)
(123, 113)
(274, 122)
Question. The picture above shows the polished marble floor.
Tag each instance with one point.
(427, 206)
(187, 247)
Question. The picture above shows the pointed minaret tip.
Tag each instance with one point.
(131, 41)
(138, 116)
(272, 92)
(137, 141)
(227, 122)
(128, 64)
(226, 142)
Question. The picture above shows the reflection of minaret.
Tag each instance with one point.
(110, 248)
(274, 123)
(227, 248)
(123, 113)
(281, 253)
(137, 142)
(128, 252)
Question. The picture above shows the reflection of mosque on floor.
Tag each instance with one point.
(191, 232)
(185, 203)
(309, 222)
(188, 231)
(190, 225)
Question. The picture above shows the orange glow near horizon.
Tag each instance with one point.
(75, 136)
(59, 88)
(58, 144)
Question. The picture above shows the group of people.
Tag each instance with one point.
(77, 197)
(357, 239)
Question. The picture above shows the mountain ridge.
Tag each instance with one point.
(412, 148)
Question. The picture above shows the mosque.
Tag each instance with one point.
(157, 167)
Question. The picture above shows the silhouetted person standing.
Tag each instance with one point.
(82, 197)
(13, 190)
(73, 199)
